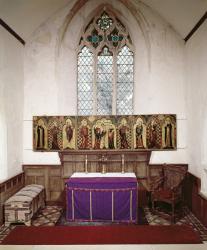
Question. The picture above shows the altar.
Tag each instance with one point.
(102, 197)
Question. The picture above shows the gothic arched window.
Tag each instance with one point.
(105, 68)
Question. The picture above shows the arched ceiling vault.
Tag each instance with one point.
(25, 16)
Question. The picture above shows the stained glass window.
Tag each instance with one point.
(105, 67)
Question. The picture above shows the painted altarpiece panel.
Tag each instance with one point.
(69, 132)
(104, 132)
(137, 132)
(84, 132)
(55, 133)
(140, 132)
(124, 132)
(40, 133)
(154, 134)
(169, 132)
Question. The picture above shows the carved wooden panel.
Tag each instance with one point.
(110, 161)
(194, 199)
(54, 183)
(48, 176)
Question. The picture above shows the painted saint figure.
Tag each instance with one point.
(54, 133)
(153, 135)
(111, 138)
(168, 134)
(123, 130)
(40, 135)
(84, 133)
(69, 131)
(104, 134)
(139, 135)
(99, 133)
(68, 135)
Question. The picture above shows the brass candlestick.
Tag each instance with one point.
(103, 168)
(122, 164)
(103, 159)
(86, 164)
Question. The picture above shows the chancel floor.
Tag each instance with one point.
(188, 218)
(54, 215)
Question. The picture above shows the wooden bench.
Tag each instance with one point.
(20, 207)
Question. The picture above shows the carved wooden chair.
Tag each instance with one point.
(168, 188)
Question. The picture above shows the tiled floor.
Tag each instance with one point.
(187, 218)
(51, 214)
(46, 217)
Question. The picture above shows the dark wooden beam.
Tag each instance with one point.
(199, 23)
(11, 31)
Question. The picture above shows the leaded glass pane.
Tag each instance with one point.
(104, 82)
(85, 82)
(125, 82)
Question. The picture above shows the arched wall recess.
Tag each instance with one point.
(140, 18)
(68, 40)
(106, 40)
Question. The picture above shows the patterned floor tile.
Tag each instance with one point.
(188, 218)
(47, 216)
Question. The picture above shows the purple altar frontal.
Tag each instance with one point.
(108, 198)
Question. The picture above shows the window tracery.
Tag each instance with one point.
(105, 67)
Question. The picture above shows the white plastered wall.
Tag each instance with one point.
(11, 105)
(51, 82)
(196, 82)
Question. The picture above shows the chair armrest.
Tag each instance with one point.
(156, 183)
